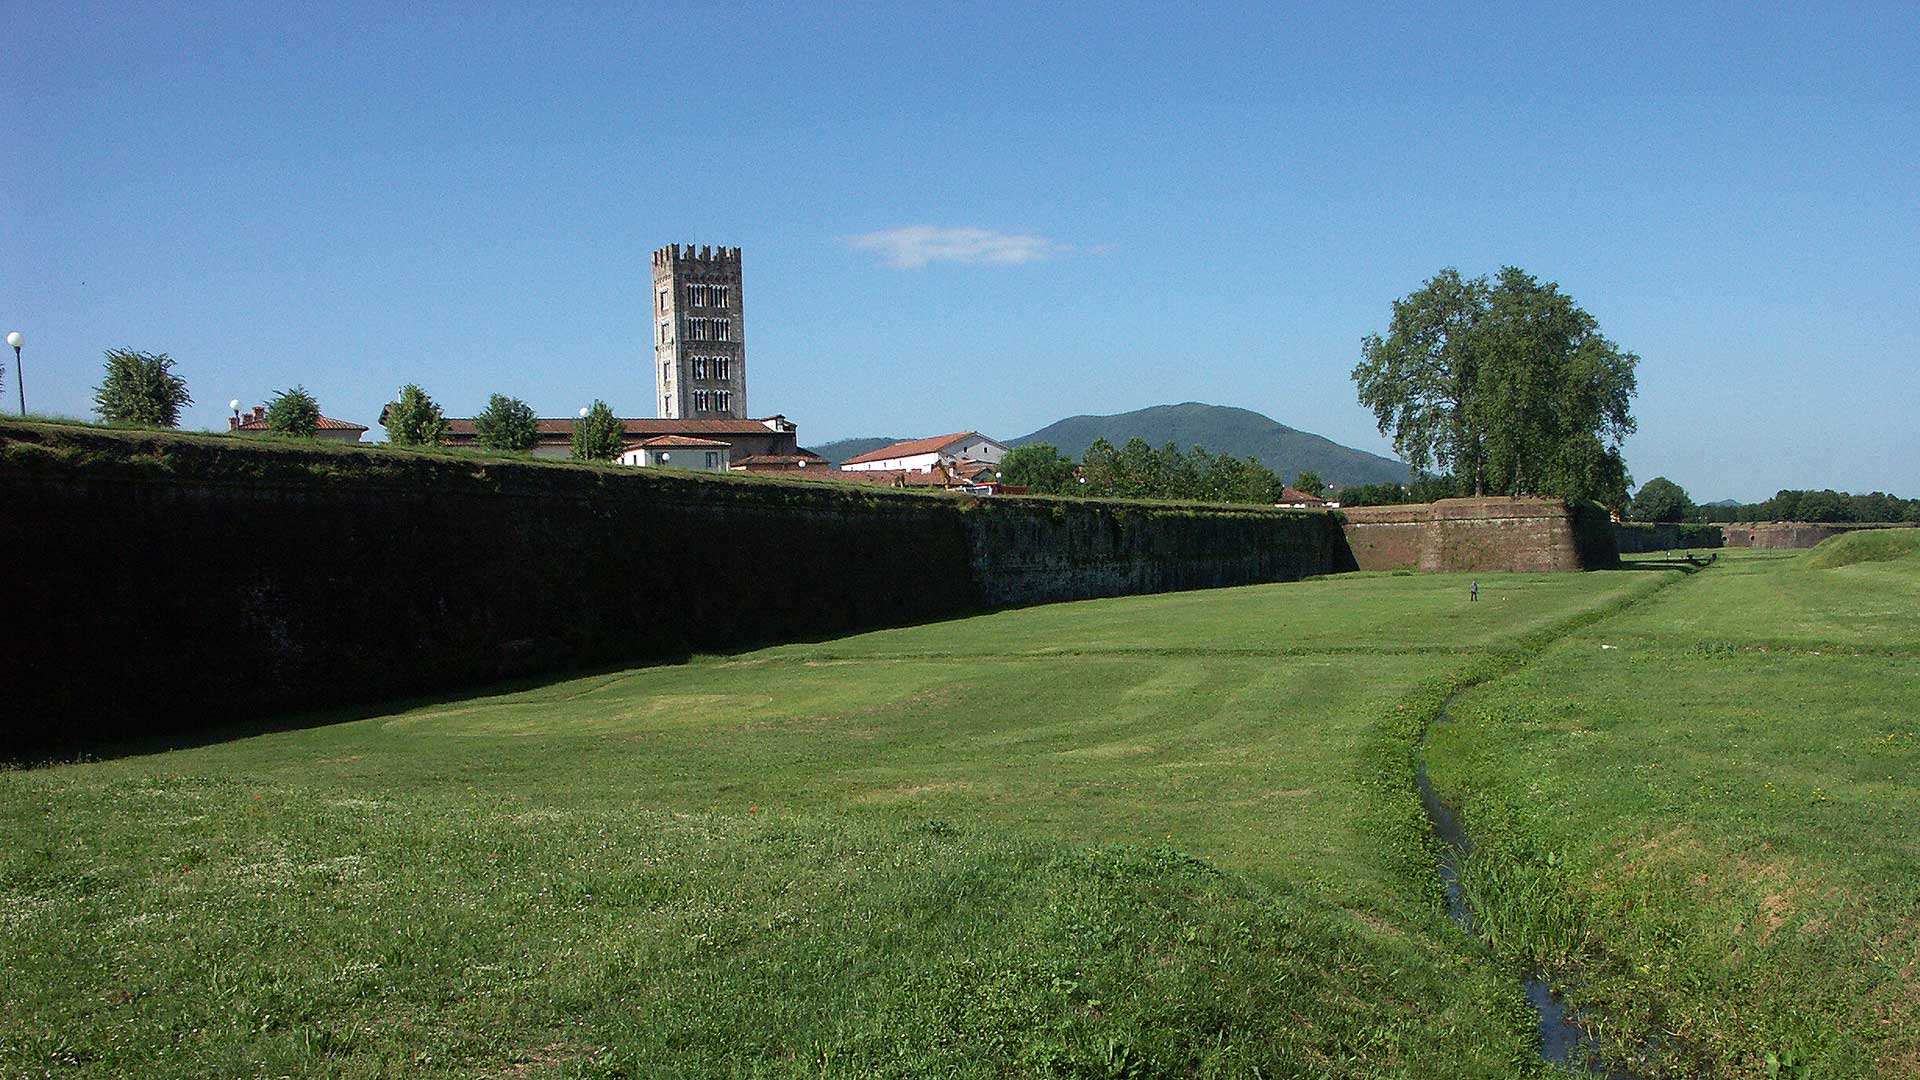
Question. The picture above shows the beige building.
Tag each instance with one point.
(677, 452)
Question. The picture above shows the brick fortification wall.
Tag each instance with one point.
(1639, 537)
(1484, 535)
(155, 581)
(1792, 534)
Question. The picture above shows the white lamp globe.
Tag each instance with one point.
(15, 339)
(234, 404)
(583, 413)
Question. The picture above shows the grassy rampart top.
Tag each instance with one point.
(1865, 546)
(137, 454)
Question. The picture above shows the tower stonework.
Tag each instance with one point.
(699, 343)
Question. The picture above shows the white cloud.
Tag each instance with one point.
(917, 245)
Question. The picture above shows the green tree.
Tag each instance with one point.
(1420, 379)
(1660, 499)
(293, 412)
(598, 436)
(1040, 468)
(1309, 482)
(414, 420)
(141, 388)
(1100, 468)
(1509, 385)
(1385, 494)
(507, 424)
(1140, 474)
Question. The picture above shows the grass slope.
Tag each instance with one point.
(1702, 810)
(1153, 836)
(1869, 545)
(1222, 429)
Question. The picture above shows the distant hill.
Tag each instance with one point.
(842, 449)
(1222, 429)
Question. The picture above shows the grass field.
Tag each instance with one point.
(1709, 806)
(1155, 836)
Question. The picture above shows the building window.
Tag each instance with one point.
(709, 329)
(703, 295)
(713, 459)
(663, 301)
(722, 400)
(699, 367)
(666, 331)
(722, 368)
(702, 401)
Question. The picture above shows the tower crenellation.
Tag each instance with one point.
(699, 341)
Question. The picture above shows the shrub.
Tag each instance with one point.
(414, 420)
(293, 412)
(507, 424)
(141, 388)
(598, 435)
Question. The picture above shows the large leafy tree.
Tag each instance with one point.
(1509, 385)
(1660, 499)
(1040, 468)
(598, 436)
(414, 419)
(141, 388)
(506, 424)
(1420, 380)
(293, 412)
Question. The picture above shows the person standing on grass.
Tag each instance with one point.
(1473, 591)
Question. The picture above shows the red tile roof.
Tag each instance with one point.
(669, 441)
(781, 461)
(911, 448)
(462, 427)
(938, 478)
(1295, 495)
(325, 423)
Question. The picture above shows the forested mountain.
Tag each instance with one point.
(1223, 429)
(840, 450)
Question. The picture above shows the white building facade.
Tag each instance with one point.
(922, 455)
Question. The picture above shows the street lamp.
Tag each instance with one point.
(583, 412)
(15, 339)
(235, 406)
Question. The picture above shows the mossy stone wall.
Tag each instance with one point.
(160, 582)
(1484, 535)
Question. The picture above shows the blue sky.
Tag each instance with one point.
(976, 217)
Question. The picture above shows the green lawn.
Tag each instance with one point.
(1155, 836)
(1719, 789)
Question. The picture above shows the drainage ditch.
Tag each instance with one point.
(1563, 1041)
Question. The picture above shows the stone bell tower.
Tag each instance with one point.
(699, 349)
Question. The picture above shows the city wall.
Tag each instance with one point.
(1635, 537)
(1480, 535)
(1792, 534)
(158, 582)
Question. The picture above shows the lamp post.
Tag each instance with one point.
(235, 406)
(16, 339)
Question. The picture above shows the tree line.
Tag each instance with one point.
(140, 389)
(1137, 470)
(1662, 500)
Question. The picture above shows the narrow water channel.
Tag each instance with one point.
(1563, 1041)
